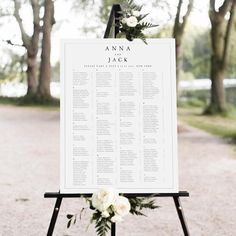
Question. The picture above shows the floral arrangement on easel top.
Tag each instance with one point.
(109, 207)
(131, 22)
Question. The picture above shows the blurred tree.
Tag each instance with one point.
(56, 72)
(45, 65)
(196, 53)
(231, 68)
(178, 33)
(30, 43)
(221, 32)
(201, 55)
(164, 32)
(14, 68)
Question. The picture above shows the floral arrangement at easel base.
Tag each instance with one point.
(131, 22)
(110, 207)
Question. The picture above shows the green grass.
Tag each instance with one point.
(8, 100)
(28, 101)
(191, 102)
(223, 126)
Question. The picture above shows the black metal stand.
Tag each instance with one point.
(113, 229)
(114, 20)
(59, 196)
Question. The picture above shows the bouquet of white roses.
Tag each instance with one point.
(131, 22)
(110, 207)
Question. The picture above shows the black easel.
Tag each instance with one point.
(114, 15)
(59, 196)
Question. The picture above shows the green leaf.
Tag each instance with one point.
(134, 6)
(72, 219)
(69, 216)
(69, 224)
(142, 17)
(146, 25)
(137, 31)
(138, 203)
(102, 226)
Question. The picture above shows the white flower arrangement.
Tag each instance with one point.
(136, 13)
(131, 22)
(109, 207)
(103, 199)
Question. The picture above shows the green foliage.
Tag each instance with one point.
(71, 219)
(137, 31)
(186, 75)
(203, 96)
(129, 4)
(56, 72)
(223, 126)
(140, 203)
(13, 69)
(227, 111)
(213, 109)
(30, 100)
(197, 52)
(9, 100)
(231, 68)
(103, 224)
(192, 102)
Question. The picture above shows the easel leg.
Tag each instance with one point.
(54, 216)
(113, 229)
(181, 216)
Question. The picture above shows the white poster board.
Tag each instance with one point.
(118, 116)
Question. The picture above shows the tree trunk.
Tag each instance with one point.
(30, 43)
(218, 102)
(178, 33)
(31, 74)
(178, 55)
(221, 31)
(45, 66)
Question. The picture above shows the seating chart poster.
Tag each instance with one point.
(118, 116)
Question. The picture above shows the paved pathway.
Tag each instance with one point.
(29, 166)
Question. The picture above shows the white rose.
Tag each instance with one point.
(105, 214)
(132, 21)
(103, 199)
(124, 21)
(121, 206)
(136, 13)
(116, 218)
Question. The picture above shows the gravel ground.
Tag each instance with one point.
(29, 166)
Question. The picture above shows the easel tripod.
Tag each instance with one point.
(59, 196)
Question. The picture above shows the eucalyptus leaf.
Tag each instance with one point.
(69, 216)
(69, 224)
